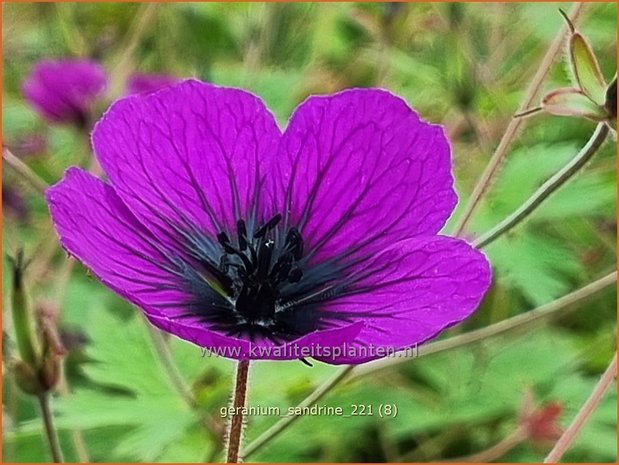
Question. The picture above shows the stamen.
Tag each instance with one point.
(294, 242)
(223, 239)
(242, 234)
(295, 275)
(267, 226)
(264, 259)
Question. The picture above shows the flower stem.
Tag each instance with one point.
(513, 126)
(568, 436)
(24, 171)
(238, 403)
(518, 322)
(549, 187)
(50, 431)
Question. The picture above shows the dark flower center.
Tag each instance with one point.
(257, 267)
(257, 284)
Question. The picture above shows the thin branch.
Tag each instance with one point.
(548, 188)
(514, 124)
(50, 431)
(24, 171)
(569, 435)
(542, 313)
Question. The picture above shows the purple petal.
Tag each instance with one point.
(411, 292)
(359, 170)
(63, 91)
(193, 154)
(95, 227)
(140, 83)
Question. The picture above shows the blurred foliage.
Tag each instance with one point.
(465, 66)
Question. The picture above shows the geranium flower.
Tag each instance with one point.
(63, 91)
(235, 236)
(141, 83)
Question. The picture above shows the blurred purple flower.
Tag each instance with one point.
(29, 145)
(147, 83)
(13, 203)
(260, 244)
(63, 91)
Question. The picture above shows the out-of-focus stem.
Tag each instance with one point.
(569, 435)
(50, 431)
(77, 438)
(143, 19)
(235, 431)
(549, 187)
(352, 371)
(167, 362)
(24, 171)
(514, 125)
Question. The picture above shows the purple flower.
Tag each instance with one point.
(63, 91)
(147, 83)
(260, 244)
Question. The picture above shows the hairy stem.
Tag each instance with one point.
(523, 320)
(50, 431)
(24, 171)
(513, 126)
(568, 436)
(235, 430)
(549, 187)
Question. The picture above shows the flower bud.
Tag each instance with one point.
(589, 98)
(52, 348)
(40, 352)
(26, 378)
(540, 422)
(22, 314)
